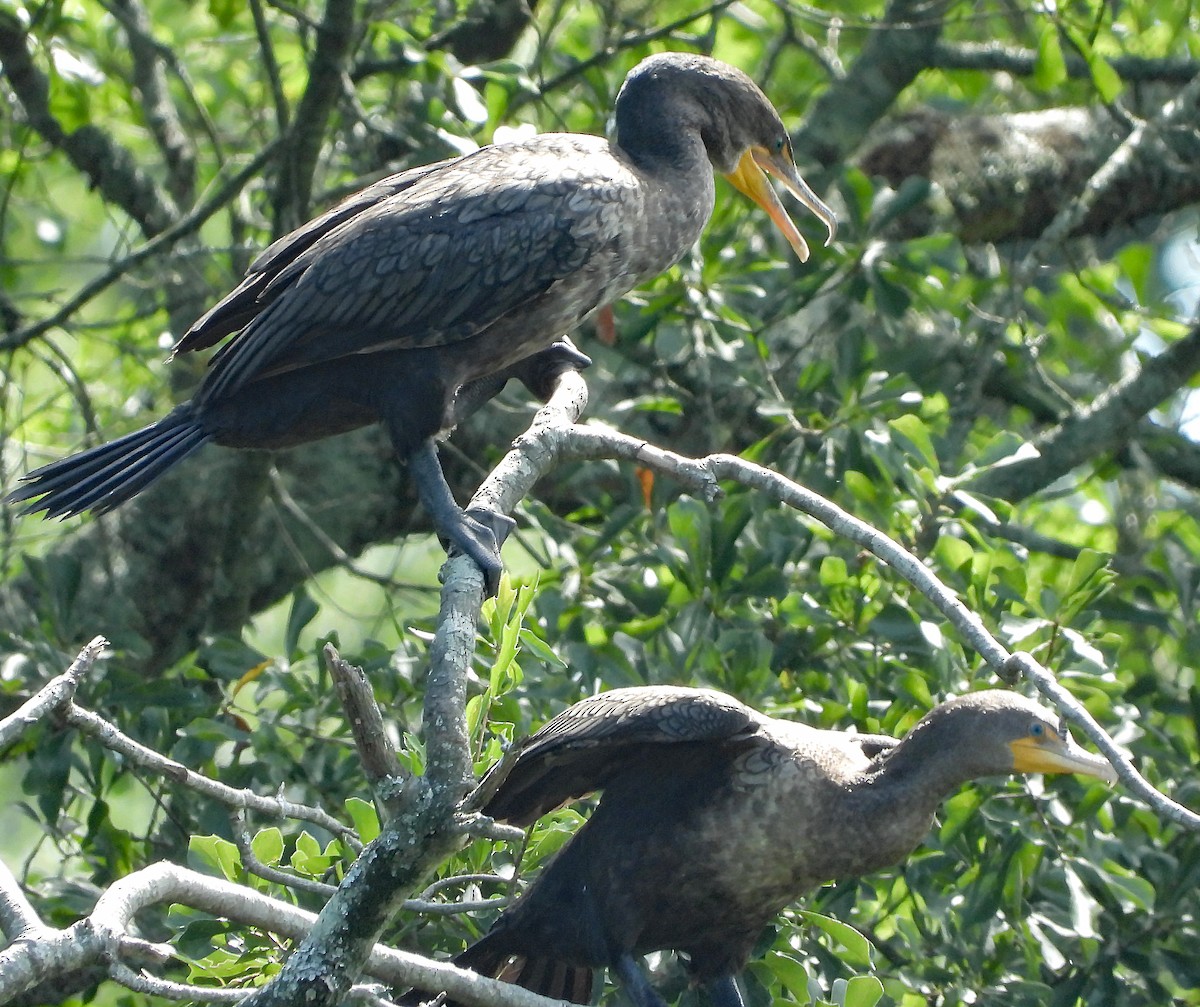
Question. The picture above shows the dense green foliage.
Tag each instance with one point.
(897, 373)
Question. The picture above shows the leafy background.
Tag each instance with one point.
(900, 373)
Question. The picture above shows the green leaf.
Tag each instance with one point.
(364, 817)
(854, 949)
(862, 991)
(1050, 65)
(833, 571)
(214, 851)
(268, 846)
(539, 648)
(911, 429)
(792, 975)
(302, 612)
(1108, 82)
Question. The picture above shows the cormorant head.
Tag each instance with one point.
(671, 93)
(1003, 732)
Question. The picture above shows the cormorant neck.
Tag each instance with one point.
(901, 793)
(929, 758)
(656, 124)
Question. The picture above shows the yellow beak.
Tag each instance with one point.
(1048, 753)
(750, 177)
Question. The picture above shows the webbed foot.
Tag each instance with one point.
(477, 532)
(540, 371)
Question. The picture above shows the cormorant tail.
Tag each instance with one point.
(102, 477)
(546, 976)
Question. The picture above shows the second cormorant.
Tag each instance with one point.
(714, 817)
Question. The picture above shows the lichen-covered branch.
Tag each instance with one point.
(52, 696)
(1098, 429)
(95, 154)
(307, 132)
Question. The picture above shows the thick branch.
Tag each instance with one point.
(994, 57)
(110, 167)
(306, 134)
(162, 117)
(895, 52)
(1097, 430)
(1169, 135)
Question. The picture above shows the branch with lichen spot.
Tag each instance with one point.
(110, 167)
(1097, 429)
(104, 937)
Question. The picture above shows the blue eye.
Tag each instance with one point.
(1036, 729)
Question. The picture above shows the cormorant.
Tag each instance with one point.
(714, 817)
(412, 302)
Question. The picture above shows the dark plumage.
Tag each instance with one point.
(413, 301)
(715, 817)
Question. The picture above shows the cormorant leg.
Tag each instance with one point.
(477, 532)
(723, 992)
(634, 983)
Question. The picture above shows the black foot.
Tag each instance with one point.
(480, 535)
(539, 372)
(724, 992)
(477, 533)
(635, 985)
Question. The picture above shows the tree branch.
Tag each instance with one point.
(895, 52)
(1096, 430)
(52, 696)
(154, 762)
(185, 226)
(306, 133)
(994, 57)
(1142, 150)
(95, 154)
(179, 155)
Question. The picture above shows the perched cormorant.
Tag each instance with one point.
(714, 817)
(413, 301)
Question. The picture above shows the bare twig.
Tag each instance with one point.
(244, 842)
(52, 695)
(154, 762)
(380, 765)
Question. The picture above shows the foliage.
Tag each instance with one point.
(888, 373)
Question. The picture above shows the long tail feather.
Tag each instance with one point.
(105, 476)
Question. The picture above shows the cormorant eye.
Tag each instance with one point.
(1037, 729)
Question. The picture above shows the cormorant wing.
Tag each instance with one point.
(441, 259)
(586, 745)
(237, 308)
